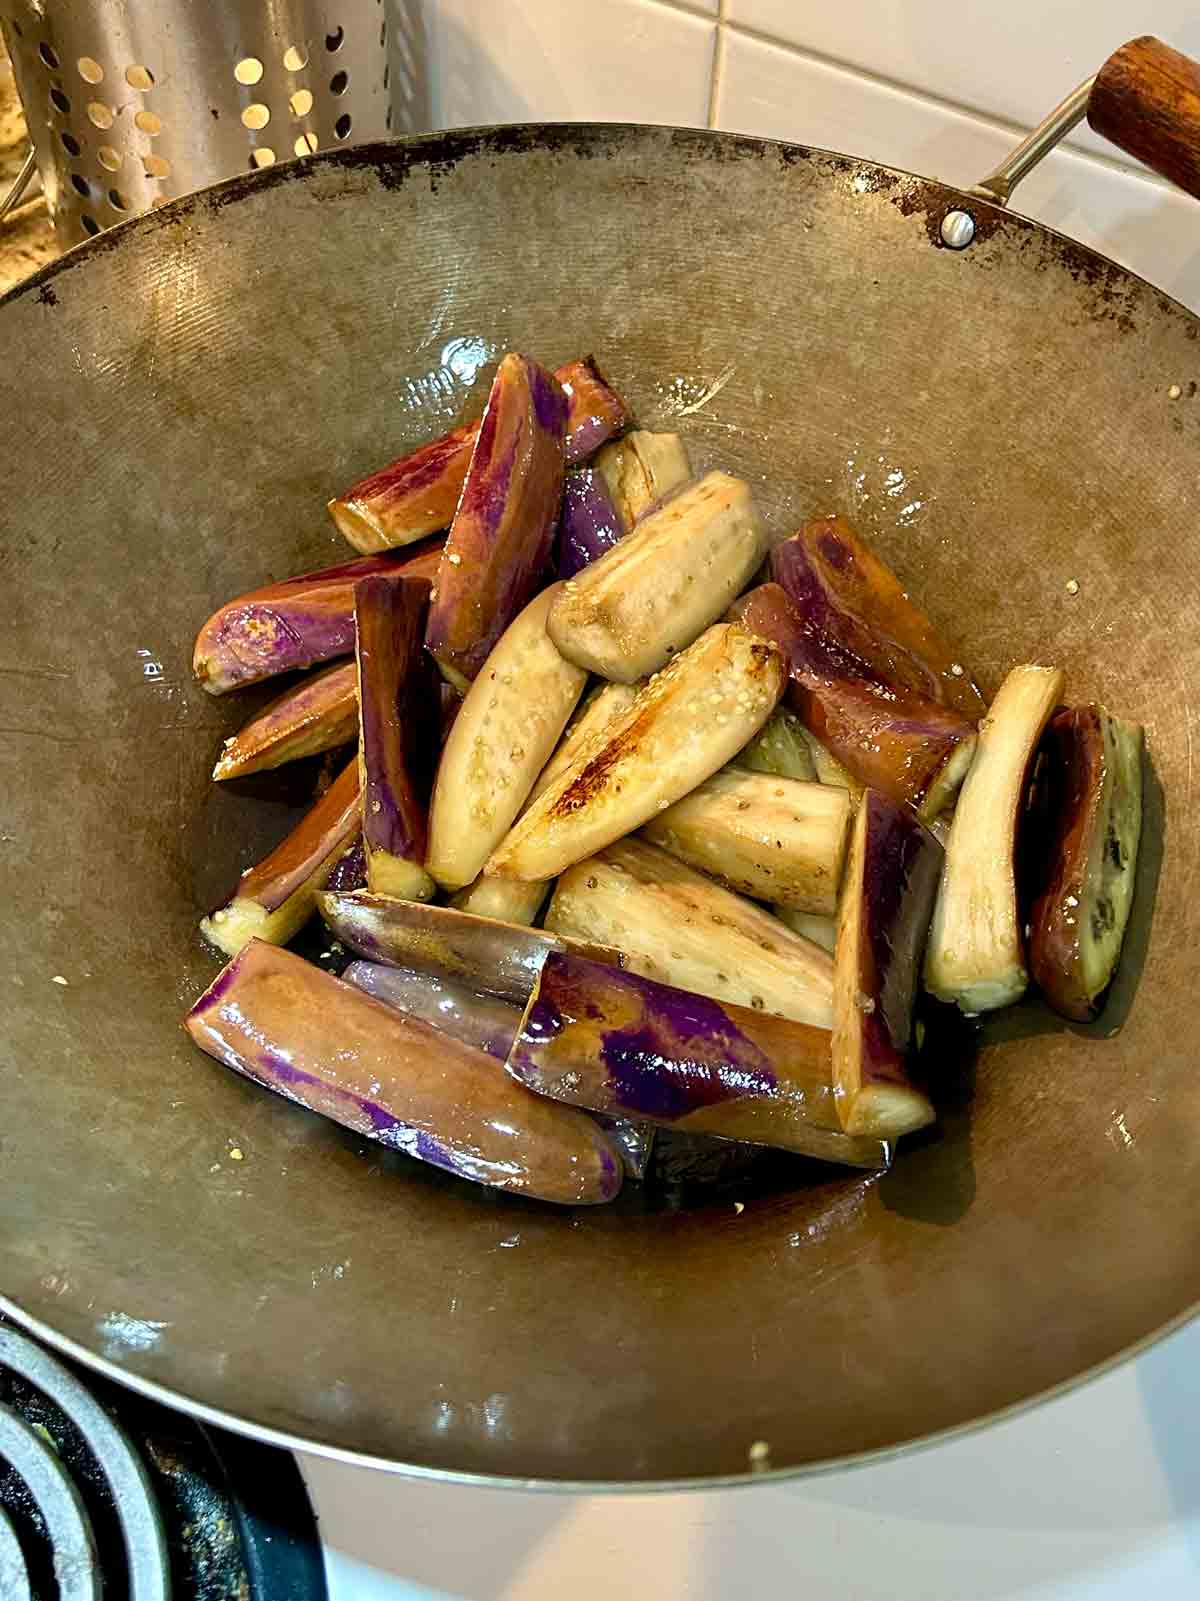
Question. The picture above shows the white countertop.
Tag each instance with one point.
(1094, 1495)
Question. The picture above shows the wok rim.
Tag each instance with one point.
(459, 142)
(454, 145)
(873, 1457)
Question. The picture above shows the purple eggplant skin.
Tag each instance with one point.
(886, 736)
(276, 1019)
(589, 524)
(416, 494)
(410, 497)
(295, 623)
(350, 870)
(595, 411)
(499, 544)
(399, 703)
(635, 1141)
(483, 1021)
(616, 1043)
(276, 897)
(887, 900)
(495, 958)
(486, 1023)
(839, 584)
(316, 715)
(1078, 855)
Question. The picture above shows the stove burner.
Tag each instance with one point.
(105, 1495)
(60, 1503)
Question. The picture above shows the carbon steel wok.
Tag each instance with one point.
(181, 396)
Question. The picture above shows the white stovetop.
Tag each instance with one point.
(1095, 1495)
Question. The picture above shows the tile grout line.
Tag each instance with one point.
(1016, 131)
(691, 8)
(998, 124)
(718, 66)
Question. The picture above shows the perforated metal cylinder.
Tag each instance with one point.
(129, 104)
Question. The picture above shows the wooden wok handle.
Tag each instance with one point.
(1146, 101)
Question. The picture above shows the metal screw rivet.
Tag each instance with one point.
(958, 229)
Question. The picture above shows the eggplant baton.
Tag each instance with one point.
(275, 898)
(487, 1023)
(278, 1020)
(505, 732)
(417, 493)
(293, 623)
(500, 541)
(673, 924)
(1086, 856)
(886, 736)
(613, 1041)
(652, 594)
(687, 722)
(976, 955)
(883, 922)
(400, 717)
(490, 957)
(318, 714)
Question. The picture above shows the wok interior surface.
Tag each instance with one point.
(183, 395)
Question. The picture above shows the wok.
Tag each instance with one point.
(182, 396)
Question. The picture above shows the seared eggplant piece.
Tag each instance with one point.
(400, 718)
(601, 503)
(318, 714)
(483, 1021)
(488, 1024)
(488, 956)
(780, 748)
(883, 922)
(589, 524)
(812, 926)
(675, 925)
(500, 540)
(641, 470)
(774, 839)
(410, 497)
(350, 869)
(513, 900)
(687, 722)
(599, 709)
(595, 411)
(418, 493)
(1085, 857)
(506, 899)
(907, 747)
(832, 575)
(509, 724)
(276, 1019)
(652, 594)
(616, 1042)
(975, 958)
(294, 623)
(275, 899)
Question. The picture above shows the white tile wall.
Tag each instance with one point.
(1013, 60)
(595, 60)
(940, 87)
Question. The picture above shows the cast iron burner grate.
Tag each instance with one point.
(105, 1495)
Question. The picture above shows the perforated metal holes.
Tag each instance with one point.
(124, 130)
